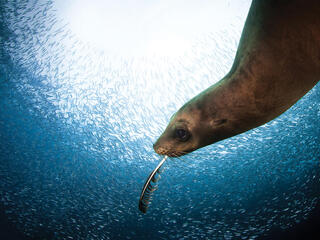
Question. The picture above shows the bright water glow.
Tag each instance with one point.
(86, 87)
(145, 28)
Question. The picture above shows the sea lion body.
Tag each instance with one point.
(277, 62)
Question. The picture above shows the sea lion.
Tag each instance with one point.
(277, 62)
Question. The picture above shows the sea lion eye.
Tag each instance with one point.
(182, 134)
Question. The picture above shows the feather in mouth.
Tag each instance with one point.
(150, 186)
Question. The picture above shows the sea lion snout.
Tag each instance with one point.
(160, 149)
(164, 150)
(157, 148)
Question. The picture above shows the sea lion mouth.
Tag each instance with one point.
(176, 154)
(168, 152)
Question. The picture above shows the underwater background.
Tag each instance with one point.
(86, 87)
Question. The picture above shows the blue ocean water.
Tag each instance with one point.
(76, 133)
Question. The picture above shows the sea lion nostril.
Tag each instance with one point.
(158, 149)
(156, 146)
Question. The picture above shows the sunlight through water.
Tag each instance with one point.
(86, 87)
(145, 28)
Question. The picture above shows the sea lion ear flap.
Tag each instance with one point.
(218, 122)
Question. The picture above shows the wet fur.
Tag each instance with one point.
(277, 62)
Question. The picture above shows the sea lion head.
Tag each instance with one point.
(189, 129)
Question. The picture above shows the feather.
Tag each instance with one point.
(150, 186)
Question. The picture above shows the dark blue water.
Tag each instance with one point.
(76, 134)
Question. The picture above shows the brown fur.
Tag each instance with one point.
(277, 62)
